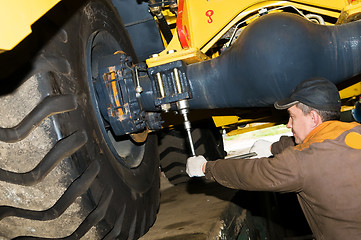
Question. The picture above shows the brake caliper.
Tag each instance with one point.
(119, 100)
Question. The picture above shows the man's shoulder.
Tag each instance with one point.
(329, 130)
(341, 128)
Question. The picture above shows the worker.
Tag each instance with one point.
(322, 165)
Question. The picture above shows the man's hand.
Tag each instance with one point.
(195, 165)
(262, 148)
(282, 144)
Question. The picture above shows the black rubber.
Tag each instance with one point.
(92, 219)
(117, 201)
(174, 149)
(78, 187)
(51, 105)
(62, 149)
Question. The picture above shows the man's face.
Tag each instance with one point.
(300, 124)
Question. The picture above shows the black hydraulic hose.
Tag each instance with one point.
(164, 28)
(271, 56)
(155, 9)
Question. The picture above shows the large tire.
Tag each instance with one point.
(174, 148)
(63, 174)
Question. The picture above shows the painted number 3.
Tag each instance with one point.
(209, 14)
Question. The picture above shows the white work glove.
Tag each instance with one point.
(262, 148)
(195, 165)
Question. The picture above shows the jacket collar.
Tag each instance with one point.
(326, 130)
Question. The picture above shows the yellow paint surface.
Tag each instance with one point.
(16, 18)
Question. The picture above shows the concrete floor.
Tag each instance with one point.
(197, 211)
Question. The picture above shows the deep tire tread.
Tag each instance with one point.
(78, 187)
(174, 150)
(117, 226)
(91, 220)
(51, 105)
(62, 149)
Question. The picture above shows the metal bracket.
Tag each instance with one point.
(170, 84)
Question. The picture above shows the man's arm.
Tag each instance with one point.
(282, 173)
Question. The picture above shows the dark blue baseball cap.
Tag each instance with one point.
(318, 93)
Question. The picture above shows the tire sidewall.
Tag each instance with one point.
(91, 20)
(136, 190)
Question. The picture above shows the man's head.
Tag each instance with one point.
(312, 102)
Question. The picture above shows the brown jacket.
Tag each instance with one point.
(324, 171)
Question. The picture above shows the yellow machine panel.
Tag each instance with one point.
(200, 24)
(202, 19)
(16, 25)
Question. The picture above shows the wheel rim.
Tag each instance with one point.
(126, 151)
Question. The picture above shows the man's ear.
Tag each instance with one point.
(316, 118)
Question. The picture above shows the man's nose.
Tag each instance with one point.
(289, 124)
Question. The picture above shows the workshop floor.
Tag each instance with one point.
(194, 211)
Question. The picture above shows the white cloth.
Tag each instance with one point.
(262, 148)
(195, 165)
